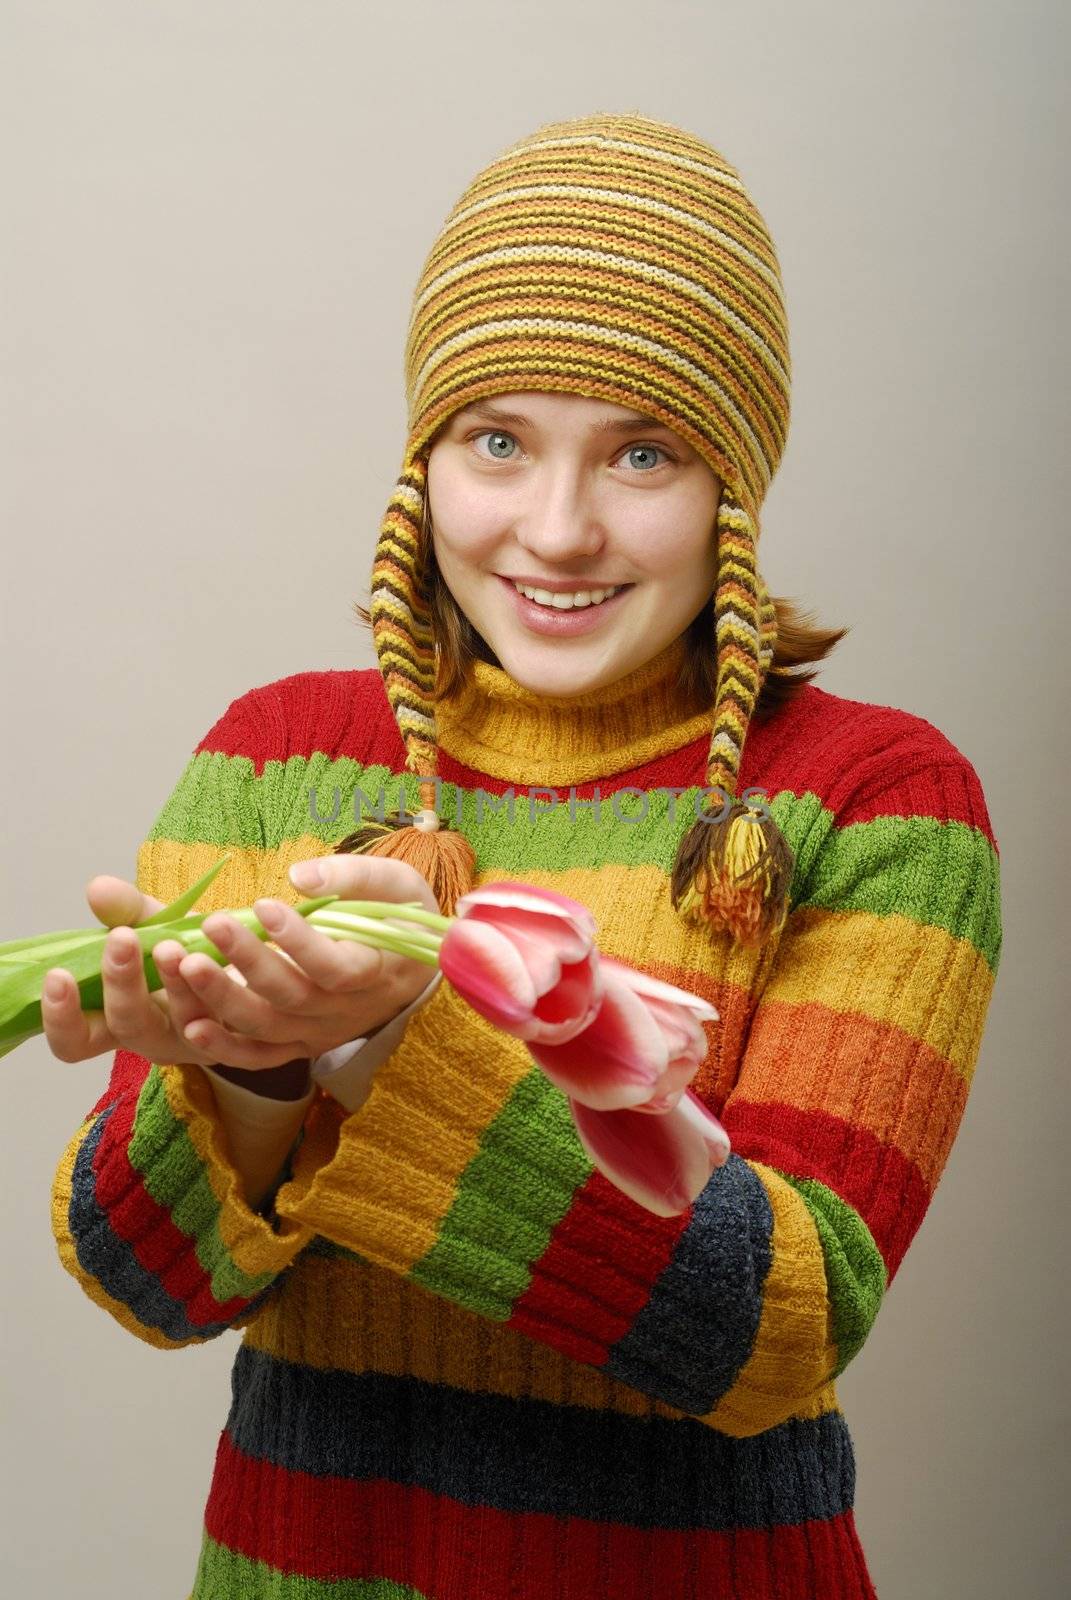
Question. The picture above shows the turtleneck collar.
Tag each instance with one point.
(496, 726)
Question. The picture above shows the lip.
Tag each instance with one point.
(545, 620)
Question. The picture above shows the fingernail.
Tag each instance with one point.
(307, 875)
(221, 935)
(55, 988)
(122, 955)
(270, 914)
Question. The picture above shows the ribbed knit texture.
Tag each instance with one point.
(471, 1368)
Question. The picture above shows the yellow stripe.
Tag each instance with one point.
(423, 1145)
(248, 1237)
(793, 1352)
(68, 1254)
(917, 978)
(345, 1315)
(629, 200)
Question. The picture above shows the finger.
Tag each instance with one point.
(128, 1009)
(117, 903)
(233, 1004)
(182, 1004)
(365, 878)
(267, 972)
(337, 965)
(187, 1019)
(72, 1034)
(232, 1050)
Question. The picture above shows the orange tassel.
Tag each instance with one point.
(441, 855)
(734, 874)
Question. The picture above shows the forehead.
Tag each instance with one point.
(536, 409)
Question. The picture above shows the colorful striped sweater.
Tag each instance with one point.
(470, 1367)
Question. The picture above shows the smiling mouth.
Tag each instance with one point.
(579, 599)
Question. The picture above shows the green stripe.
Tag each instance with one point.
(222, 1572)
(162, 1152)
(215, 801)
(940, 874)
(509, 1200)
(218, 800)
(953, 881)
(541, 835)
(855, 1270)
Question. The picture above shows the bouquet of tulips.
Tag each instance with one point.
(622, 1046)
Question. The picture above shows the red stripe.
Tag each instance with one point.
(136, 1218)
(948, 790)
(596, 1274)
(821, 743)
(331, 1528)
(886, 1189)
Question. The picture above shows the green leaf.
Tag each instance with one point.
(7, 1045)
(52, 947)
(24, 963)
(303, 907)
(59, 936)
(188, 898)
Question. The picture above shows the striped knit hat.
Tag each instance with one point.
(622, 259)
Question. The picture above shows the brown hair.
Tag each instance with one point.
(799, 644)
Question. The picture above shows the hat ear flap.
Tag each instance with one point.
(405, 646)
(401, 618)
(733, 865)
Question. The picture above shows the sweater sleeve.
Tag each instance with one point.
(260, 1131)
(148, 1209)
(851, 1084)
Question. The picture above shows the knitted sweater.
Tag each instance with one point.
(471, 1368)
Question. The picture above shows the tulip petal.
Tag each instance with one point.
(570, 1008)
(524, 991)
(659, 1103)
(655, 989)
(486, 968)
(526, 897)
(683, 1033)
(555, 932)
(542, 960)
(617, 1061)
(662, 1162)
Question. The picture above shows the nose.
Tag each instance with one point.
(559, 521)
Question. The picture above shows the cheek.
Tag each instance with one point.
(465, 522)
(674, 540)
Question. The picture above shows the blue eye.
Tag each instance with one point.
(496, 437)
(502, 446)
(648, 450)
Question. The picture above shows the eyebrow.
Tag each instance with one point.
(482, 408)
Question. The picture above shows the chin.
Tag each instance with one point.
(554, 669)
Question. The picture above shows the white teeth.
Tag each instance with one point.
(567, 602)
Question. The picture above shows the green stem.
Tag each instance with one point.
(363, 925)
(369, 932)
(406, 910)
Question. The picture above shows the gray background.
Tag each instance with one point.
(214, 218)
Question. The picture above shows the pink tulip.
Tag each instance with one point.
(525, 959)
(662, 1162)
(644, 1046)
(623, 1046)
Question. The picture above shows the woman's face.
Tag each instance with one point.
(570, 495)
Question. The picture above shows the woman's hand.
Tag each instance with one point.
(267, 1007)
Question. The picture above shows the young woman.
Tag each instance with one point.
(472, 1367)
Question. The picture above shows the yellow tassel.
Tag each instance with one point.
(734, 874)
(441, 855)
